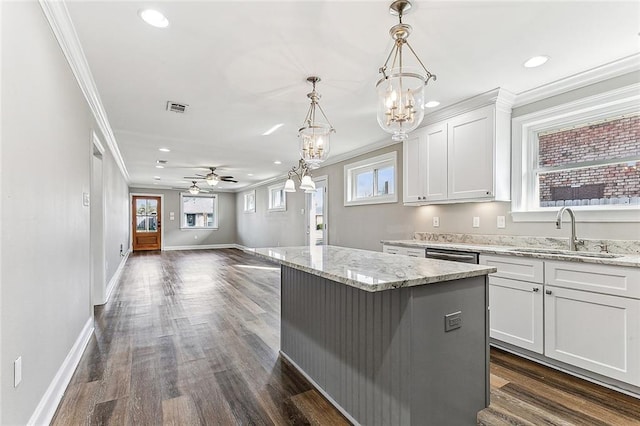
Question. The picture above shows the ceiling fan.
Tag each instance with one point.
(213, 178)
(194, 188)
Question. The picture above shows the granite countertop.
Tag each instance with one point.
(632, 260)
(369, 270)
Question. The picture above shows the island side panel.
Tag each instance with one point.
(450, 369)
(359, 343)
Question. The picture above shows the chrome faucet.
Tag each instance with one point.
(574, 242)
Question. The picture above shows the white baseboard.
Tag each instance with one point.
(47, 406)
(201, 247)
(116, 277)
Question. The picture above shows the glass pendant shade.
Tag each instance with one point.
(289, 186)
(400, 102)
(307, 183)
(213, 180)
(312, 189)
(315, 143)
(194, 190)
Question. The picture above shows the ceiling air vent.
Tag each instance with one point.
(176, 107)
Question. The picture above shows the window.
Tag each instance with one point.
(585, 154)
(277, 198)
(250, 202)
(371, 181)
(198, 211)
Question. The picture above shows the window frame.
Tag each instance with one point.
(524, 146)
(277, 188)
(216, 219)
(249, 201)
(351, 170)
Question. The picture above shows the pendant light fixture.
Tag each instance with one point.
(303, 174)
(315, 135)
(194, 189)
(401, 87)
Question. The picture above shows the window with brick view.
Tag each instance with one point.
(594, 164)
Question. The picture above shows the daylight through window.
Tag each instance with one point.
(199, 211)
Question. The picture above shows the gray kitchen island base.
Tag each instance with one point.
(384, 357)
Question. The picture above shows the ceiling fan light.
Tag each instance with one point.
(194, 190)
(289, 186)
(212, 180)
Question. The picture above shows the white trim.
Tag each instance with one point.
(216, 219)
(60, 21)
(48, 404)
(366, 164)
(203, 247)
(501, 98)
(319, 389)
(244, 201)
(572, 82)
(144, 194)
(116, 276)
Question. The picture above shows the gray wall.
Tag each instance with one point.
(264, 228)
(176, 237)
(46, 157)
(364, 226)
(116, 214)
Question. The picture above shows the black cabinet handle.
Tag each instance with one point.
(548, 291)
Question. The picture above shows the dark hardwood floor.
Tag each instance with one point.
(192, 337)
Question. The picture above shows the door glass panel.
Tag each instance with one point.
(141, 223)
(141, 207)
(152, 207)
(152, 223)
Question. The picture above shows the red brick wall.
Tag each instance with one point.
(618, 138)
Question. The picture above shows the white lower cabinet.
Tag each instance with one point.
(405, 251)
(584, 315)
(596, 332)
(516, 313)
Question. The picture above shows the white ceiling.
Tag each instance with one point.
(242, 67)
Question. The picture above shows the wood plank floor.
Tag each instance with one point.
(192, 338)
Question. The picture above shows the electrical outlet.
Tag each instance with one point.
(452, 321)
(17, 371)
(172, 216)
(500, 222)
(476, 221)
(436, 221)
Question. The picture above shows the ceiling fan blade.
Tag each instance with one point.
(229, 180)
(225, 177)
(194, 177)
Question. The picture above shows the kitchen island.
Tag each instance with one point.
(387, 339)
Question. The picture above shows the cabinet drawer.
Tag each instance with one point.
(392, 250)
(416, 252)
(516, 267)
(605, 279)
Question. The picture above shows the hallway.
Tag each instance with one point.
(192, 337)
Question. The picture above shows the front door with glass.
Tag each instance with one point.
(146, 223)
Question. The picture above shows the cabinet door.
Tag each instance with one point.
(412, 173)
(416, 252)
(597, 332)
(470, 155)
(516, 313)
(435, 162)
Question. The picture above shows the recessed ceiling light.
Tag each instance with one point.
(154, 18)
(431, 104)
(277, 162)
(164, 149)
(156, 177)
(536, 61)
(273, 129)
(159, 167)
(249, 174)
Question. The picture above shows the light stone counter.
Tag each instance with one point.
(632, 260)
(368, 270)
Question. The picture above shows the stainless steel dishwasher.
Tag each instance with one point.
(452, 255)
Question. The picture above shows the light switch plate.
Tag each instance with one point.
(476, 221)
(85, 199)
(500, 222)
(436, 221)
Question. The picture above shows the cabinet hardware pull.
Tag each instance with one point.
(547, 291)
(535, 290)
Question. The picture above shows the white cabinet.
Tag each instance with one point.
(463, 156)
(516, 301)
(405, 251)
(596, 332)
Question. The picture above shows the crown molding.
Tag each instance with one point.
(572, 82)
(59, 19)
(501, 98)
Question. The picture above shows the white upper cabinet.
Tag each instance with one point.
(463, 154)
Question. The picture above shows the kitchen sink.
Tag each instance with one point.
(565, 252)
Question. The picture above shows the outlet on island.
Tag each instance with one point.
(476, 221)
(436, 221)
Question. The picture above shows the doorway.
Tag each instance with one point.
(317, 213)
(96, 219)
(146, 224)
